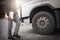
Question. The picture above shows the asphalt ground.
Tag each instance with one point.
(26, 32)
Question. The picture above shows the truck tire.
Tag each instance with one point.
(43, 22)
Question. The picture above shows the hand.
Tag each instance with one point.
(9, 17)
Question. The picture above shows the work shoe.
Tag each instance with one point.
(16, 36)
(11, 38)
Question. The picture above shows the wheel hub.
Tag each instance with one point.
(43, 22)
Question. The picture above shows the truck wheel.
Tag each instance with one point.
(43, 22)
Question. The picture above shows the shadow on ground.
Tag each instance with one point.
(34, 36)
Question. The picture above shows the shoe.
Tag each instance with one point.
(16, 36)
(11, 37)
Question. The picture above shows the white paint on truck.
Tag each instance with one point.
(28, 5)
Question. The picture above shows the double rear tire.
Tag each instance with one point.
(43, 22)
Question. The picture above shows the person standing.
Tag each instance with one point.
(10, 6)
(17, 21)
(3, 14)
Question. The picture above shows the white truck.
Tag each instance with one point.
(44, 14)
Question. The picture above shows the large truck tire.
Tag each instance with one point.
(43, 22)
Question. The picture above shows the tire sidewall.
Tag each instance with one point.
(43, 31)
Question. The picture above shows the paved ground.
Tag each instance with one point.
(27, 33)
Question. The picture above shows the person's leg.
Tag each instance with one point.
(17, 29)
(17, 21)
(10, 28)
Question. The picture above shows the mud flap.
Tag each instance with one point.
(58, 18)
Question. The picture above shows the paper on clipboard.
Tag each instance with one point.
(11, 14)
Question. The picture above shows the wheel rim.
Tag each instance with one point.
(43, 22)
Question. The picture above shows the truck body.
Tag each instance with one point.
(31, 8)
(28, 5)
